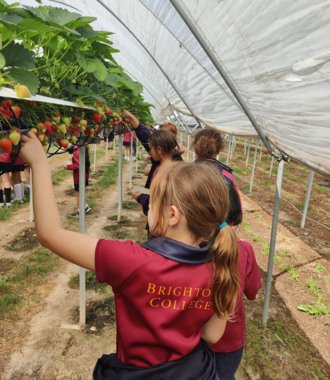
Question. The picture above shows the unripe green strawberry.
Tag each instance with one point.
(14, 137)
(22, 91)
(73, 139)
(57, 118)
(67, 120)
(62, 128)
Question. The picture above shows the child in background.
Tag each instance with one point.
(166, 290)
(163, 150)
(18, 166)
(128, 137)
(75, 168)
(11, 167)
(207, 145)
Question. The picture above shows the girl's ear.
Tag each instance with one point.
(159, 150)
(174, 216)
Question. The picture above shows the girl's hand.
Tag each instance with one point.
(135, 194)
(134, 121)
(31, 149)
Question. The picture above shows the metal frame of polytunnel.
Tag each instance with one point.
(151, 56)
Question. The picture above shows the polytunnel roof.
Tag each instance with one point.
(276, 53)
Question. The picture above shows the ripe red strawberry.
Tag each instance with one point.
(108, 111)
(96, 118)
(6, 145)
(99, 103)
(7, 103)
(6, 112)
(17, 111)
(64, 143)
(48, 126)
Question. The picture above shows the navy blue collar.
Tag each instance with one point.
(177, 251)
(216, 163)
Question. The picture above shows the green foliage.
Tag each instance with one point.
(60, 175)
(28, 270)
(318, 306)
(59, 51)
(91, 283)
(109, 176)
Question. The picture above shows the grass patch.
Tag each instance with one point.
(60, 175)
(124, 221)
(316, 307)
(6, 265)
(266, 182)
(130, 205)
(109, 176)
(288, 341)
(27, 272)
(91, 283)
(23, 241)
(8, 302)
(6, 212)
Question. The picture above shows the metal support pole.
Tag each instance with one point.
(228, 150)
(253, 167)
(82, 271)
(308, 196)
(233, 145)
(188, 147)
(120, 176)
(136, 156)
(277, 202)
(31, 216)
(106, 148)
(131, 161)
(247, 154)
(94, 159)
(221, 70)
(151, 57)
(271, 166)
(245, 147)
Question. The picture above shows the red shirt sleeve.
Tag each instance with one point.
(252, 274)
(116, 260)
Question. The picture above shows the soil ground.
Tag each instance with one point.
(44, 340)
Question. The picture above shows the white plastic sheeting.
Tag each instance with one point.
(276, 52)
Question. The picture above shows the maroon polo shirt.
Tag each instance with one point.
(161, 304)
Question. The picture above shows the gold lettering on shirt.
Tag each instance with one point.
(179, 297)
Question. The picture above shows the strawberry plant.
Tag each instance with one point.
(57, 53)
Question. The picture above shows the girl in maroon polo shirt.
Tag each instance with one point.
(169, 292)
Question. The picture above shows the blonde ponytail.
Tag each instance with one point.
(201, 195)
(224, 253)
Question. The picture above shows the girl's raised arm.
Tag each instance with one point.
(72, 246)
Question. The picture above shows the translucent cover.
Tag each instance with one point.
(276, 52)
